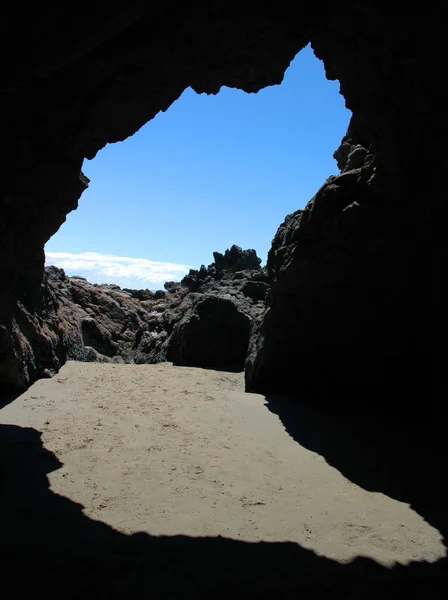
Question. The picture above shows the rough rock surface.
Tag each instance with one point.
(215, 329)
(209, 327)
(316, 256)
(227, 299)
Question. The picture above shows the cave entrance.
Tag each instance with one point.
(210, 172)
(129, 218)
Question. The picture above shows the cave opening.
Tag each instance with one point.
(371, 280)
(133, 217)
(209, 172)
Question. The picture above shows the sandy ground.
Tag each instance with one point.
(171, 450)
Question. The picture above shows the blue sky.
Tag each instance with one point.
(210, 172)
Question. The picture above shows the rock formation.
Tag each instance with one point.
(316, 257)
(228, 302)
(209, 327)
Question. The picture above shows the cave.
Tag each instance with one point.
(356, 313)
(207, 155)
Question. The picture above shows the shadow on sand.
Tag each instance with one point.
(6, 397)
(402, 457)
(49, 546)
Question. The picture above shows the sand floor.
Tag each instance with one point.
(171, 450)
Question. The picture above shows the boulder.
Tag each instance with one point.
(214, 333)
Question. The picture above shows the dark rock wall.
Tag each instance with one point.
(331, 301)
(359, 278)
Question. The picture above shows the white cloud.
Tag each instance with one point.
(122, 270)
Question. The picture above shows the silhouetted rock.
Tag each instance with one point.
(236, 259)
(195, 277)
(214, 332)
(316, 256)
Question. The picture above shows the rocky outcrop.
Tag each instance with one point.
(103, 323)
(104, 320)
(236, 259)
(341, 293)
(218, 318)
(233, 260)
(213, 333)
(315, 257)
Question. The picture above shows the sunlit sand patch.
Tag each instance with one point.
(171, 450)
